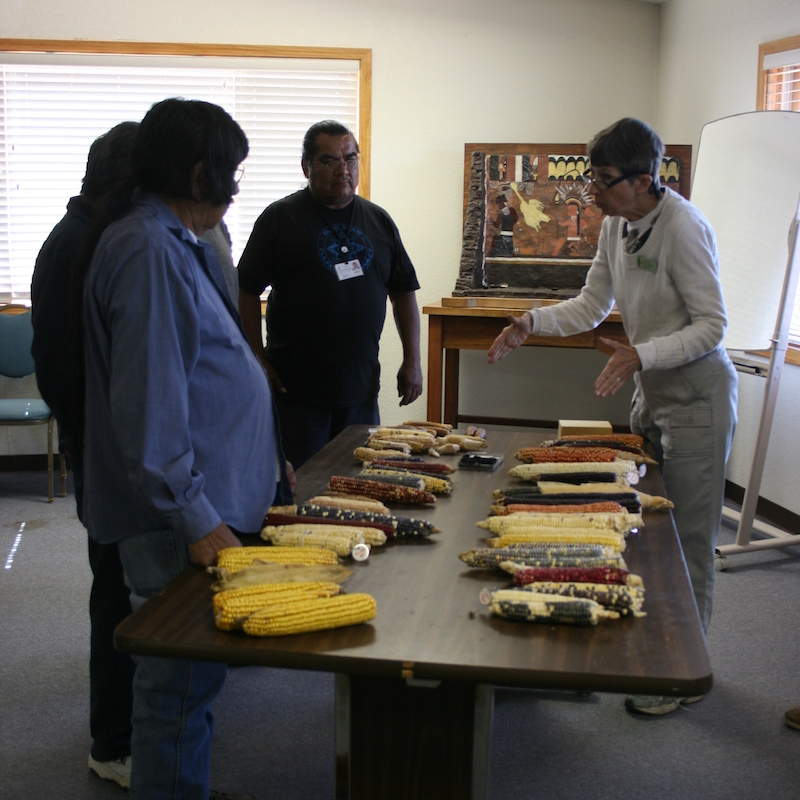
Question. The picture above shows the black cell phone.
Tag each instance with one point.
(482, 461)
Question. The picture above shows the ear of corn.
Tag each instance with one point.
(404, 526)
(415, 464)
(524, 575)
(556, 493)
(380, 491)
(588, 442)
(560, 536)
(311, 615)
(353, 503)
(514, 605)
(632, 439)
(443, 428)
(521, 521)
(389, 445)
(540, 455)
(430, 483)
(610, 507)
(233, 606)
(465, 442)
(322, 519)
(235, 558)
(259, 574)
(537, 556)
(374, 537)
(341, 543)
(530, 472)
(650, 502)
(396, 478)
(627, 600)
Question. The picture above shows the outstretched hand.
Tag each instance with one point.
(204, 552)
(624, 362)
(511, 337)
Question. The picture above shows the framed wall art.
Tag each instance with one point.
(530, 224)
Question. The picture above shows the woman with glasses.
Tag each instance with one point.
(657, 259)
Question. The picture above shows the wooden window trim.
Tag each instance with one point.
(766, 49)
(362, 55)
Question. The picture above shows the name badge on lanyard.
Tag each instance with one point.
(349, 269)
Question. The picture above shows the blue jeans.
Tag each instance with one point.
(305, 430)
(172, 717)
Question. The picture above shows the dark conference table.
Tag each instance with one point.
(414, 698)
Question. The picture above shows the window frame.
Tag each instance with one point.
(362, 55)
(765, 49)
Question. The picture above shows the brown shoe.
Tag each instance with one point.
(792, 717)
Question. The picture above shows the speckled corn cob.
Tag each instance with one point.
(561, 536)
(415, 464)
(384, 492)
(430, 483)
(652, 502)
(233, 606)
(311, 615)
(514, 605)
(234, 559)
(627, 600)
(532, 555)
(404, 526)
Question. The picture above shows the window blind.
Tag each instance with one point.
(51, 112)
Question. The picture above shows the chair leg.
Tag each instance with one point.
(50, 459)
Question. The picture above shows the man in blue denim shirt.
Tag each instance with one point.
(182, 449)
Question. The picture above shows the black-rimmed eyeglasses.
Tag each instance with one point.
(350, 162)
(606, 185)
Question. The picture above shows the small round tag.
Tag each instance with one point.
(360, 552)
(642, 470)
(486, 595)
(633, 478)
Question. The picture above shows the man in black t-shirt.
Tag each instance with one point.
(331, 258)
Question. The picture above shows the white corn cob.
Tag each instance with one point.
(530, 472)
(305, 536)
(520, 519)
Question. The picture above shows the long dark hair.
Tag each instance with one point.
(173, 138)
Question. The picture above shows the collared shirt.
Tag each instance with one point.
(179, 423)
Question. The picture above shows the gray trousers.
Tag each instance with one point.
(688, 414)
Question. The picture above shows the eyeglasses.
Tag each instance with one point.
(606, 185)
(238, 175)
(350, 162)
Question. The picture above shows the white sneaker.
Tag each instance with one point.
(118, 770)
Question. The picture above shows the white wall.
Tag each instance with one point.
(707, 69)
(456, 71)
(444, 73)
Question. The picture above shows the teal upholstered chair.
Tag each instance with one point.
(16, 361)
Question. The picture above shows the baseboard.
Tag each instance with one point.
(766, 510)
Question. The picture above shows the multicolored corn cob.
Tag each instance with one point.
(404, 526)
(610, 507)
(632, 439)
(430, 483)
(380, 491)
(524, 575)
(536, 556)
(560, 536)
(513, 604)
(627, 600)
(540, 455)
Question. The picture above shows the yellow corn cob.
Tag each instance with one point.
(530, 472)
(234, 559)
(233, 606)
(650, 501)
(374, 537)
(259, 573)
(352, 503)
(282, 510)
(311, 615)
(621, 523)
(560, 536)
(340, 540)
(540, 455)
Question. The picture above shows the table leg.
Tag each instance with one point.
(434, 369)
(452, 359)
(412, 740)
